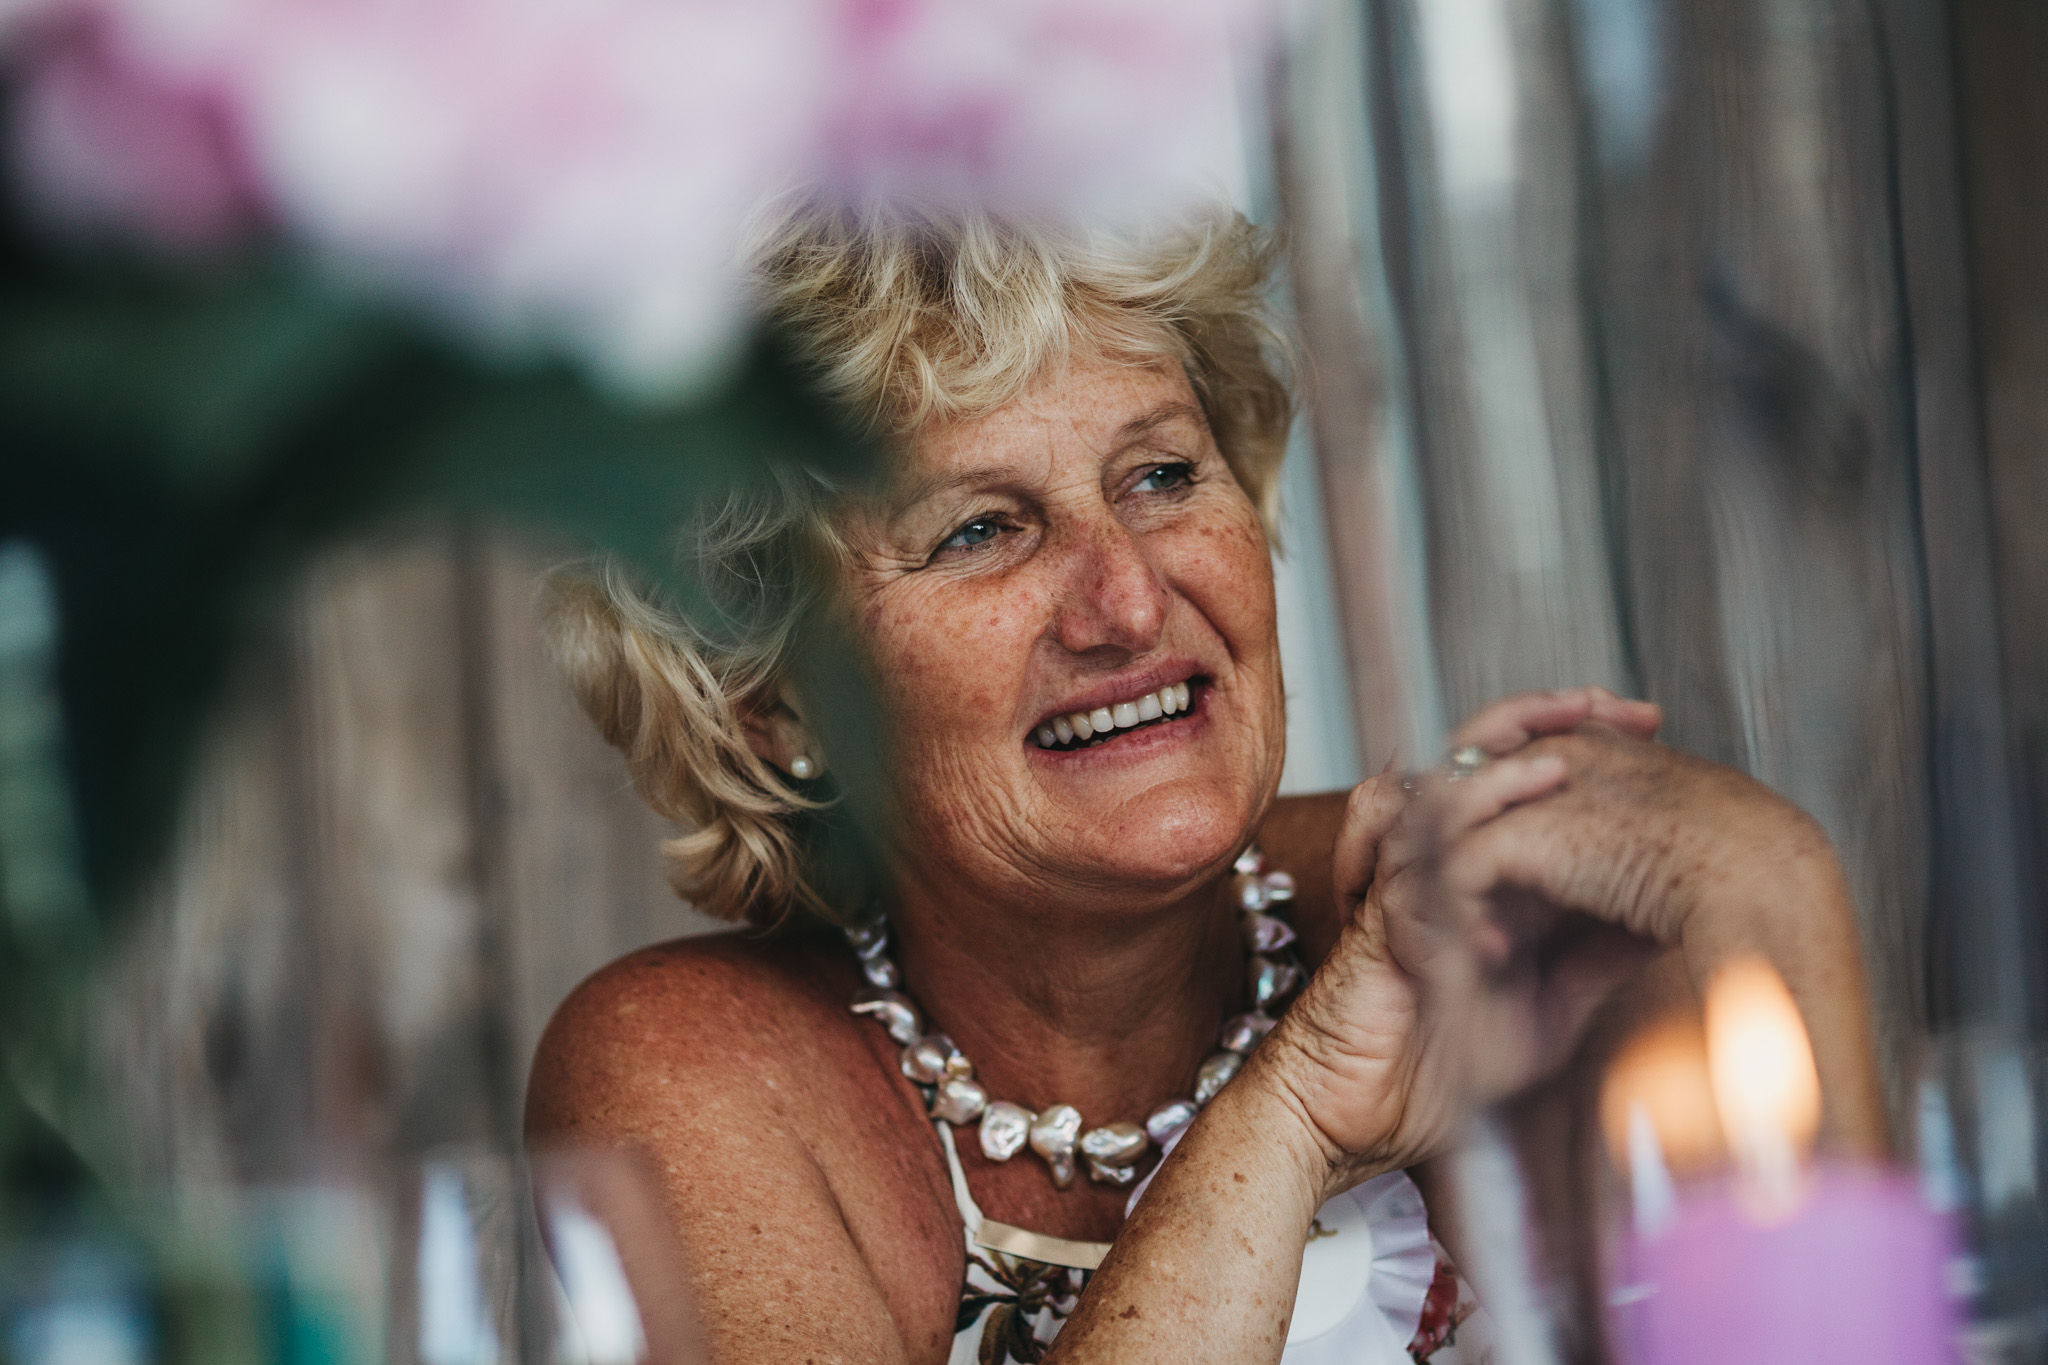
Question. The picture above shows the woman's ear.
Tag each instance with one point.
(776, 732)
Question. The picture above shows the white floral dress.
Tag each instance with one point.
(1376, 1288)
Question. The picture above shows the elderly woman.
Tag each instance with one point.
(909, 1120)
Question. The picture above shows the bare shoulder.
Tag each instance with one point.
(796, 1162)
(729, 1019)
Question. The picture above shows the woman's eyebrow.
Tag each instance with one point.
(1145, 423)
(909, 495)
(929, 486)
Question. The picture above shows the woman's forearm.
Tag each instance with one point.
(1207, 1266)
(1794, 908)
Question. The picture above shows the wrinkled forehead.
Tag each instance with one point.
(1065, 424)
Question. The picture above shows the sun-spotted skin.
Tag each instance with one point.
(1072, 551)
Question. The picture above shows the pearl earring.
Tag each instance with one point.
(802, 767)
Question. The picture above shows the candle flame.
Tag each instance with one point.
(1657, 1109)
(1766, 1087)
(1662, 1074)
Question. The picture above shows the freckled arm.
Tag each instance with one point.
(1207, 1267)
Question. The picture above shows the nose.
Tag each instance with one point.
(1114, 599)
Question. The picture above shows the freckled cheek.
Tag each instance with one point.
(950, 664)
(1225, 569)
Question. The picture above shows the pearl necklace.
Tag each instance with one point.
(945, 1077)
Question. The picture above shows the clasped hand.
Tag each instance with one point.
(1488, 917)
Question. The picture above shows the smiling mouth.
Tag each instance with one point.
(1088, 729)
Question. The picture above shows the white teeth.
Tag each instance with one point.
(1085, 725)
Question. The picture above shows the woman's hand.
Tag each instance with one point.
(1486, 918)
(1641, 848)
(1489, 917)
(1376, 1075)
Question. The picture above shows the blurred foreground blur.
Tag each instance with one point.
(1695, 348)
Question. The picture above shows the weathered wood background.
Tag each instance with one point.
(1680, 368)
(1697, 349)
(2001, 66)
(406, 847)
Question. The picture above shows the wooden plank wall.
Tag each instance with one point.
(1757, 348)
(2001, 55)
(1693, 406)
(406, 846)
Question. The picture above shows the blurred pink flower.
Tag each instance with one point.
(1077, 106)
(579, 172)
(106, 148)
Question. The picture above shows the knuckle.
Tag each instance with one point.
(1363, 797)
(1571, 745)
(1522, 701)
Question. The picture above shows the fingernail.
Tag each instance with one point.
(1546, 765)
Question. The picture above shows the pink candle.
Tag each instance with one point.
(1854, 1274)
(1783, 1263)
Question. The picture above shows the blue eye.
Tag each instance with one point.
(1164, 478)
(972, 534)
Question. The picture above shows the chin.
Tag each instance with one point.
(1174, 833)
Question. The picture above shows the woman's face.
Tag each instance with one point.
(1081, 549)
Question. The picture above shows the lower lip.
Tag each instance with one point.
(1138, 743)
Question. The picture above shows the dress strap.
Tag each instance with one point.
(970, 1212)
(989, 1235)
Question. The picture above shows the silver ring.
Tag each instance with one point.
(1466, 761)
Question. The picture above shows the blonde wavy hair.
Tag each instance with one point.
(903, 319)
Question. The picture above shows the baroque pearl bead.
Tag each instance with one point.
(1267, 981)
(1055, 1129)
(959, 1100)
(1052, 1136)
(931, 1059)
(1004, 1126)
(1243, 1033)
(894, 1010)
(1168, 1119)
(1114, 1144)
(1265, 934)
(1215, 1074)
